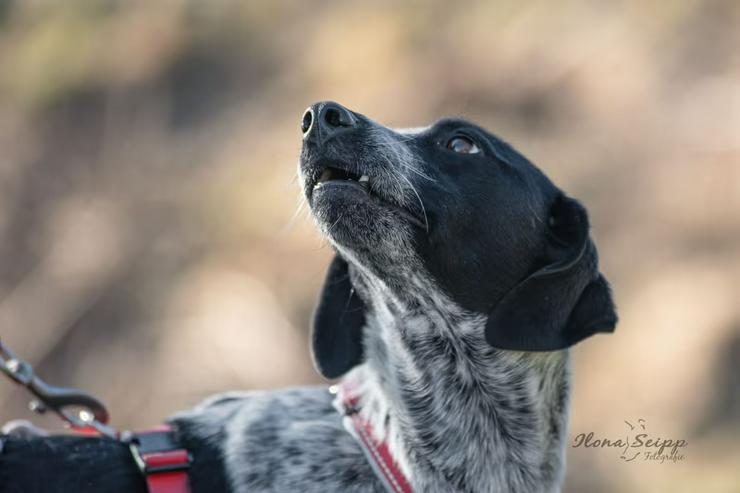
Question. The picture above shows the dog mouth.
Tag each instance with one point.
(339, 176)
(332, 177)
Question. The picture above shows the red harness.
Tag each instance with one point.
(377, 453)
(161, 460)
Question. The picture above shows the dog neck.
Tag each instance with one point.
(459, 415)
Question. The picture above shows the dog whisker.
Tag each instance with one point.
(421, 202)
(300, 209)
(417, 171)
(386, 144)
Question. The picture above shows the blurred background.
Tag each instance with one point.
(150, 249)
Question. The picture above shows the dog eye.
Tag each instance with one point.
(463, 145)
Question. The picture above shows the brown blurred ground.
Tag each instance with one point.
(149, 247)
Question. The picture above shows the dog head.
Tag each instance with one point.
(458, 207)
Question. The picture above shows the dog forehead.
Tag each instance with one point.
(497, 148)
(449, 124)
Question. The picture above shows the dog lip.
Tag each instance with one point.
(410, 216)
(360, 188)
(331, 173)
(321, 186)
(323, 171)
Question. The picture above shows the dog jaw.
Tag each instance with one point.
(370, 212)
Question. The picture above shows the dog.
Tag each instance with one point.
(461, 277)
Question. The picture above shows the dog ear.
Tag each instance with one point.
(565, 301)
(336, 335)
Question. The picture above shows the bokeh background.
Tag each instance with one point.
(150, 249)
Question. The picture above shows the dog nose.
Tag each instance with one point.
(322, 120)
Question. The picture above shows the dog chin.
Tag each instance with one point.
(354, 221)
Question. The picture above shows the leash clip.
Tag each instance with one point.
(81, 411)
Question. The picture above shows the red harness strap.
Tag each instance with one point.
(377, 453)
(161, 460)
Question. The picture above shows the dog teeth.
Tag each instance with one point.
(329, 174)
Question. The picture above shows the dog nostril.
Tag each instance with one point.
(307, 120)
(336, 116)
(332, 117)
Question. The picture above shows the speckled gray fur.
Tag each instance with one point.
(283, 441)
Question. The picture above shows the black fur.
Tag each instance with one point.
(562, 303)
(337, 328)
